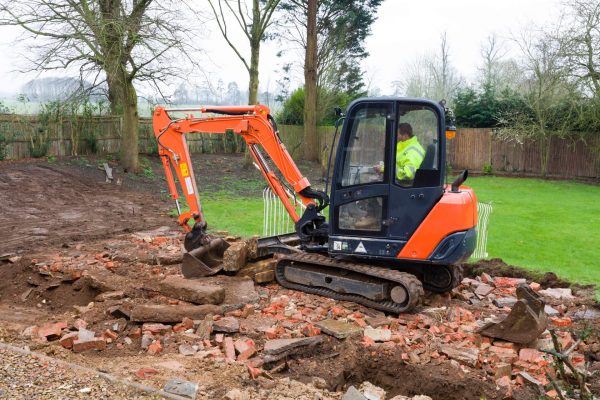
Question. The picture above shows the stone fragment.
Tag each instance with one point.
(558, 293)
(192, 290)
(235, 257)
(468, 356)
(227, 325)
(264, 277)
(156, 329)
(172, 313)
(587, 314)
(146, 341)
(229, 348)
(236, 394)
(181, 388)
(85, 335)
(353, 394)
(486, 278)
(551, 312)
(505, 302)
(186, 349)
(483, 290)
(371, 391)
(110, 296)
(502, 369)
(278, 346)
(93, 344)
(377, 321)
(339, 329)
(378, 335)
(205, 328)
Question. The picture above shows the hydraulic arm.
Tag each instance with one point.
(258, 129)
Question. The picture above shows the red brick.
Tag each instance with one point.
(310, 330)
(155, 329)
(254, 372)
(367, 341)
(561, 322)
(507, 282)
(143, 372)
(246, 354)
(51, 331)
(67, 340)
(135, 333)
(110, 334)
(504, 354)
(535, 286)
(219, 338)
(531, 356)
(184, 325)
(94, 344)
(155, 347)
(229, 348)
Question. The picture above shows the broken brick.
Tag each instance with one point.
(51, 331)
(110, 334)
(229, 348)
(532, 356)
(246, 354)
(67, 340)
(86, 345)
(156, 329)
(503, 282)
(561, 322)
(184, 325)
(155, 347)
(143, 372)
(310, 330)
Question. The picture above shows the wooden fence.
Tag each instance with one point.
(475, 149)
(478, 149)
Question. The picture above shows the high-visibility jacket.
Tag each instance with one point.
(409, 156)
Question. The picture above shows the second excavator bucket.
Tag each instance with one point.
(205, 260)
(525, 322)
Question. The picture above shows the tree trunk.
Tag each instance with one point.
(253, 73)
(129, 136)
(310, 85)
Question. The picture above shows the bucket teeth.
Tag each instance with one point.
(205, 260)
(525, 322)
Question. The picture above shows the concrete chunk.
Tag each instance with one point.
(192, 290)
(169, 314)
(181, 388)
(467, 356)
(378, 335)
(227, 324)
(339, 329)
(282, 345)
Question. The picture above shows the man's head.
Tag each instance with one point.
(404, 132)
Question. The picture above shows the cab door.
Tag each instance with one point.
(373, 213)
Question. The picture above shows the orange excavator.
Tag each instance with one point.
(388, 237)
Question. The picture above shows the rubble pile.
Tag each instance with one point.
(141, 305)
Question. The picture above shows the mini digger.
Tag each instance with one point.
(386, 240)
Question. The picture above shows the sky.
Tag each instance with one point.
(403, 31)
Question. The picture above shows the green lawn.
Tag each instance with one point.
(537, 224)
(544, 225)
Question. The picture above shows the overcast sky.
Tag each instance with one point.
(403, 31)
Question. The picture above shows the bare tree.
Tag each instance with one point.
(432, 75)
(254, 24)
(550, 98)
(581, 42)
(112, 41)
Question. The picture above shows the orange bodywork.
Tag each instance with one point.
(252, 124)
(454, 212)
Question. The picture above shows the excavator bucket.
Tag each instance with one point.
(205, 260)
(525, 322)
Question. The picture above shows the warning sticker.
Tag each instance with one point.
(184, 169)
(337, 245)
(360, 248)
(188, 185)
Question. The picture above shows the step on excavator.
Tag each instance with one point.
(395, 228)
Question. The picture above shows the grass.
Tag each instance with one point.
(544, 225)
(537, 224)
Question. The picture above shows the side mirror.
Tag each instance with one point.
(459, 180)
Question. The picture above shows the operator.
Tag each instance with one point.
(409, 154)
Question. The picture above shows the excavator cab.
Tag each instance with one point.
(376, 207)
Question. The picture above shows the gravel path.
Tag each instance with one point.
(26, 376)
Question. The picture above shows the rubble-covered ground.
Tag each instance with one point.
(112, 300)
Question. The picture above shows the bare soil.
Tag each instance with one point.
(63, 220)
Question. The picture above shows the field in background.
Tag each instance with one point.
(536, 224)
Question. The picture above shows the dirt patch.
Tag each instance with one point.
(497, 267)
(350, 363)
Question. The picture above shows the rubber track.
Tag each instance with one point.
(409, 281)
